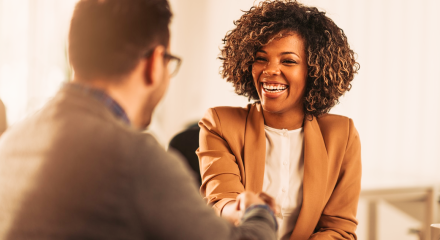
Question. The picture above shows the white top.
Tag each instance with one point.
(283, 175)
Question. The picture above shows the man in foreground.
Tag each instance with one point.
(82, 169)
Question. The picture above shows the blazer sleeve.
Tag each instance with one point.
(221, 178)
(338, 220)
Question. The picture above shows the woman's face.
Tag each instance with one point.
(280, 73)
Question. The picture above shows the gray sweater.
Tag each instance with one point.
(75, 171)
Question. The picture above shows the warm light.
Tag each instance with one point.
(33, 46)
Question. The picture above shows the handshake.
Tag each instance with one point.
(233, 211)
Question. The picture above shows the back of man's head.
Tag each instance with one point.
(107, 38)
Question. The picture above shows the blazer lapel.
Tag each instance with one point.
(254, 149)
(315, 180)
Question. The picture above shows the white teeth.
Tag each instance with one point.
(274, 87)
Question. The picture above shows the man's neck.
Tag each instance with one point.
(125, 95)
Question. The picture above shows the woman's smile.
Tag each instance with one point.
(273, 90)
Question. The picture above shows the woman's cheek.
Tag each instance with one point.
(255, 75)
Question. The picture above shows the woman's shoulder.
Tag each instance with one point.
(334, 121)
(226, 117)
(330, 123)
(232, 112)
(329, 118)
(228, 112)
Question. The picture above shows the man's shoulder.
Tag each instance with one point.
(66, 137)
(69, 123)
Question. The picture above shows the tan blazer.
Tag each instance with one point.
(232, 157)
(3, 123)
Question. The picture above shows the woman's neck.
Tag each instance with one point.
(287, 120)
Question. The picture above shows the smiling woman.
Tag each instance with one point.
(296, 63)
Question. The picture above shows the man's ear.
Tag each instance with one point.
(154, 66)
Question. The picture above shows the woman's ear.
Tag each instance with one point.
(154, 70)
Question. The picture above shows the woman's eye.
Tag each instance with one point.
(289, 61)
(260, 59)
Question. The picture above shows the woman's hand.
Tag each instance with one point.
(270, 201)
(234, 210)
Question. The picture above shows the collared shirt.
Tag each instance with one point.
(109, 102)
(283, 175)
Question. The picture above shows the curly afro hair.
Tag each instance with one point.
(331, 62)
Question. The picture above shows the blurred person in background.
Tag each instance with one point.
(81, 168)
(295, 62)
(3, 123)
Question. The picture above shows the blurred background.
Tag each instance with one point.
(394, 102)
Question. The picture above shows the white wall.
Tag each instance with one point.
(33, 63)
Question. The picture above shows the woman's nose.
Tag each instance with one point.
(271, 68)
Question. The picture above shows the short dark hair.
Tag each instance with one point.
(331, 62)
(107, 38)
